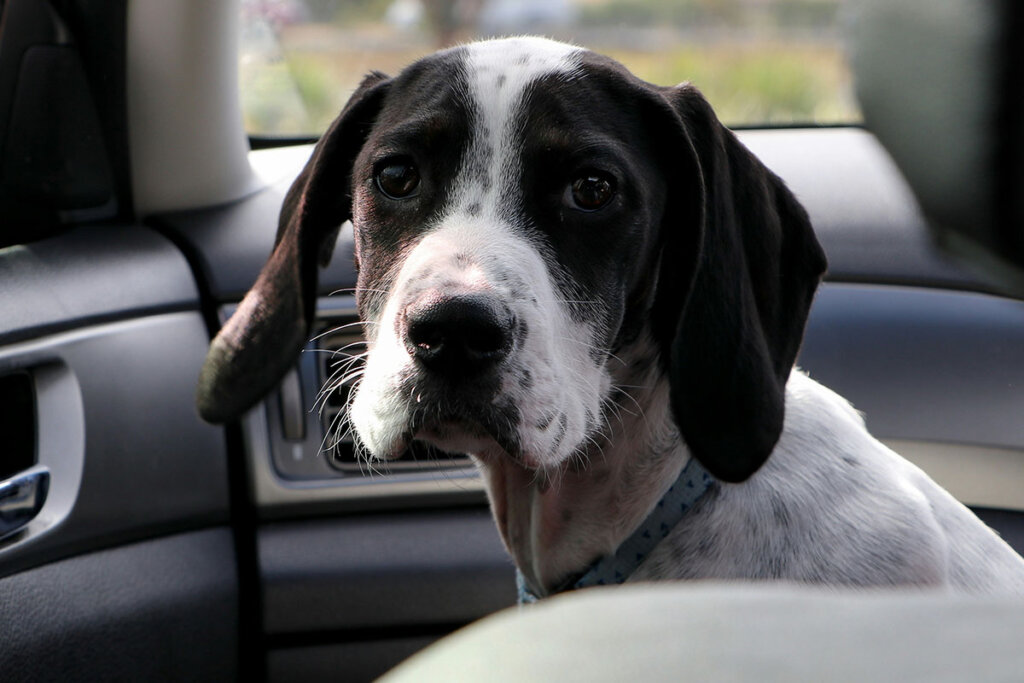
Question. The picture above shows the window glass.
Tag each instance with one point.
(759, 62)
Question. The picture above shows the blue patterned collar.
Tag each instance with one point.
(693, 482)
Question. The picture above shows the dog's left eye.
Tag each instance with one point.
(398, 180)
(591, 191)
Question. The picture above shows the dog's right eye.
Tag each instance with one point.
(398, 180)
(591, 191)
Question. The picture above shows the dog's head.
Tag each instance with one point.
(523, 211)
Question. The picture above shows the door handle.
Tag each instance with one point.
(22, 497)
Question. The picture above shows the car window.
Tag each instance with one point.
(759, 62)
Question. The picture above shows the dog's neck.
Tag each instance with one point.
(555, 524)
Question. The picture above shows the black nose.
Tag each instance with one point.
(459, 335)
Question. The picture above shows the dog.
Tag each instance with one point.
(589, 285)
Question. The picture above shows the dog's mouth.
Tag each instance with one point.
(456, 435)
(483, 432)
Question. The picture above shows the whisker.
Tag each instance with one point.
(357, 290)
(345, 364)
(340, 328)
(329, 389)
(635, 402)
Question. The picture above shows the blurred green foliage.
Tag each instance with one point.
(757, 61)
(346, 11)
(753, 83)
(689, 14)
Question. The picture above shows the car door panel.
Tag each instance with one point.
(91, 274)
(417, 568)
(358, 593)
(131, 563)
(161, 609)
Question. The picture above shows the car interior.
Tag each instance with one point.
(139, 542)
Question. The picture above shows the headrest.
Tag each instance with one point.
(54, 168)
(941, 85)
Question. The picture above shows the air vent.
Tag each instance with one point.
(340, 349)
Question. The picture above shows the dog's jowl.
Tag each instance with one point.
(586, 282)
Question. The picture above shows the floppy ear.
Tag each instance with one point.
(739, 324)
(258, 345)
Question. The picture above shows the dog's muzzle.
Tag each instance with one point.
(459, 346)
(475, 351)
(456, 339)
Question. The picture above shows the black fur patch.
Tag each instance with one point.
(600, 260)
(425, 119)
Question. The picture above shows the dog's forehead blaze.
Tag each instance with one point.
(498, 75)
